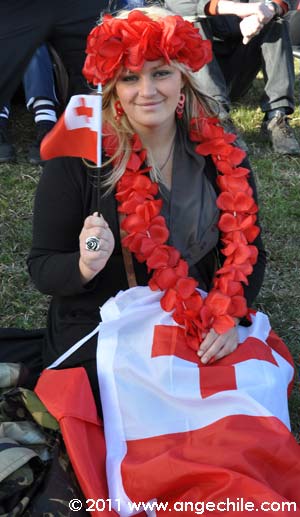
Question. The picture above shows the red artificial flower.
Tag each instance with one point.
(228, 286)
(185, 287)
(104, 53)
(223, 323)
(163, 279)
(110, 140)
(233, 222)
(163, 256)
(169, 300)
(179, 40)
(234, 184)
(237, 202)
(238, 306)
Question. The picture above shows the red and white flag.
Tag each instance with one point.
(178, 435)
(77, 132)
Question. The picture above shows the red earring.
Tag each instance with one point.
(180, 106)
(119, 111)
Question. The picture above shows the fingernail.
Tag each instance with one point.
(200, 353)
(204, 360)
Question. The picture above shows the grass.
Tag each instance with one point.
(278, 181)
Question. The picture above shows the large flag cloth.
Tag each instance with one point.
(179, 436)
(77, 132)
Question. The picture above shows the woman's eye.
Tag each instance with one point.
(129, 78)
(162, 73)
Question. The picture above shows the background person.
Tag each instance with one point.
(41, 100)
(248, 37)
(25, 25)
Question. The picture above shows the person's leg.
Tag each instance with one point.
(25, 347)
(38, 79)
(210, 77)
(239, 65)
(40, 98)
(73, 24)
(212, 83)
(24, 25)
(270, 51)
(294, 24)
(278, 99)
(278, 68)
(7, 150)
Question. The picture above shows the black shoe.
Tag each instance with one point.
(7, 150)
(281, 135)
(33, 155)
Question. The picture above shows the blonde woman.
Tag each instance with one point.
(172, 184)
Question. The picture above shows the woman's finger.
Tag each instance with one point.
(95, 220)
(212, 350)
(207, 342)
(225, 350)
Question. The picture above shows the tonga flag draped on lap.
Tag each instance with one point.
(175, 430)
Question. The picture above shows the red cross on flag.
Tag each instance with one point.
(77, 132)
(176, 431)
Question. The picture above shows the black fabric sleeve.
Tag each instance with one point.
(53, 261)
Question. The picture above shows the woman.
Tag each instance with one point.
(172, 181)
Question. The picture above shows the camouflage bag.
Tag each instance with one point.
(36, 476)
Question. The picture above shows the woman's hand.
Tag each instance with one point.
(214, 346)
(92, 262)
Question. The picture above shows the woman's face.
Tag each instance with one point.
(149, 97)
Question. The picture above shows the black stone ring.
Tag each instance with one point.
(92, 244)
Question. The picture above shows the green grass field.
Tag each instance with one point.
(278, 181)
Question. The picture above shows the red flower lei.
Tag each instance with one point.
(147, 234)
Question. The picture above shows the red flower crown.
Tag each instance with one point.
(128, 43)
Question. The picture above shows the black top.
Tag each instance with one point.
(67, 194)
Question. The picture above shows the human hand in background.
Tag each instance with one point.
(252, 24)
(92, 262)
(250, 27)
(264, 12)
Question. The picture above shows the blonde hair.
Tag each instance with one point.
(195, 101)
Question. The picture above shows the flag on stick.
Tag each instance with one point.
(78, 131)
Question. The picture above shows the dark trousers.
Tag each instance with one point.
(236, 65)
(23, 346)
(294, 21)
(38, 79)
(26, 24)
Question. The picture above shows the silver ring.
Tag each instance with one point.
(92, 244)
